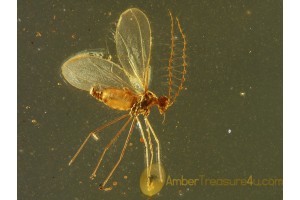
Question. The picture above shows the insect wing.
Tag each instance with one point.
(133, 42)
(88, 69)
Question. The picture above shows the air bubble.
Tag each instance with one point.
(157, 180)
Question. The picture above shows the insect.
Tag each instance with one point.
(125, 86)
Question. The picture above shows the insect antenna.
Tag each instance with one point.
(171, 54)
(184, 63)
(172, 72)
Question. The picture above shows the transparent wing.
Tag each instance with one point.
(133, 42)
(89, 69)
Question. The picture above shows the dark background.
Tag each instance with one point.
(234, 82)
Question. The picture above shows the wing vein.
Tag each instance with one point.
(128, 54)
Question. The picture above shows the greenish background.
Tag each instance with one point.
(234, 48)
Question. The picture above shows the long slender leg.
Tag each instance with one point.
(108, 146)
(146, 147)
(93, 132)
(158, 146)
(102, 187)
(151, 151)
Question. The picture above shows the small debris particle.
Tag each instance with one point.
(106, 189)
(34, 122)
(38, 34)
(248, 12)
(95, 137)
(180, 192)
(242, 94)
(142, 140)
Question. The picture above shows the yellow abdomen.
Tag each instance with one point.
(119, 99)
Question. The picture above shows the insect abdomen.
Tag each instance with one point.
(119, 99)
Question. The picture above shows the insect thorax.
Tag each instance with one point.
(143, 105)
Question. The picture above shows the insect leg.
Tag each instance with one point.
(108, 146)
(146, 148)
(102, 187)
(92, 133)
(151, 151)
(158, 146)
